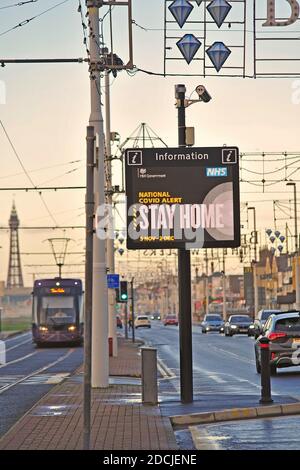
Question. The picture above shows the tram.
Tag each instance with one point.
(57, 311)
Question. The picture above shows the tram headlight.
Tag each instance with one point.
(72, 328)
(43, 328)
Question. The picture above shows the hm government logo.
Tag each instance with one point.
(135, 158)
(145, 173)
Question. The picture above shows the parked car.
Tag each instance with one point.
(142, 321)
(238, 324)
(212, 322)
(261, 319)
(283, 331)
(119, 322)
(171, 320)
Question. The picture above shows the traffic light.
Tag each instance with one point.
(123, 291)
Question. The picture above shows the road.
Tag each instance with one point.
(29, 373)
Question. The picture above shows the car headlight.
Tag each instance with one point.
(251, 326)
(72, 328)
(233, 326)
(207, 327)
(43, 328)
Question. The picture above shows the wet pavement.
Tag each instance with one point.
(260, 434)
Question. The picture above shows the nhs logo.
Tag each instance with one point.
(220, 171)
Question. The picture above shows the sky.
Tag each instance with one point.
(46, 112)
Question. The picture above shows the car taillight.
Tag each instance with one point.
(273, 336)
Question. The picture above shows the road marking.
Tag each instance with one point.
(19, 344)
(202, 439)
(217, 379)
(32, 374)
(17, 337)
(18, 360)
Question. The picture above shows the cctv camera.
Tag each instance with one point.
(203, 93)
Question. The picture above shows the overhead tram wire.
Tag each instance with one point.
(26, 173)
(41, 169)
(28, 20)
(19, 4)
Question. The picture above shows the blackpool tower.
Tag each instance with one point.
(14, 276)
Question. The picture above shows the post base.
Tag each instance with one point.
(266, 401)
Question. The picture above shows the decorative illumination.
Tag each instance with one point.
(218, 54)
(218, 10)
(282, 238)
(272, 239)
(188, 46)
(277, 233)
(268, 232)
(198, 2)
(280, 248)
(181, 10)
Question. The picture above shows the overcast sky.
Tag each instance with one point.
(47, 109)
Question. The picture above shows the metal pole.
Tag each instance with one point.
(110, 240)
(224, 295)
(126, 321)
(295, 216)
(88, 287)
(100, 351)
(206, 296)
(265, 371)
(297, 281)
(255, 286)
(132, 309)
(184, 282)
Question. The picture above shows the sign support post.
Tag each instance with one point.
(184, 282)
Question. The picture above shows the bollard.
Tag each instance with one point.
(265, 371)
(149, 376)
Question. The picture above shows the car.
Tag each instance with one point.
(119, 322)
(142, 321)
(155, 316)
(171, 320)
(212, 322)
(238, 324)
(283, 332)
(261, 319)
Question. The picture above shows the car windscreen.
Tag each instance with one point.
(142, 318)
(266, 313)
(57, 310)
(240, 319)
(213, 318)
(288, 324)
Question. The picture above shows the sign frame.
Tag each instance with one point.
(202, 157)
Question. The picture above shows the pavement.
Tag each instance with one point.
(119, 419)
(226, 388)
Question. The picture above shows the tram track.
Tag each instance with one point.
(35, 372)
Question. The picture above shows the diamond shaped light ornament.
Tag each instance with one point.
(181, 10)
(219, 9)
(218, 54)
(188, 46)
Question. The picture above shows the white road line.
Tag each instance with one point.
(19, 344)
(17, 337)
(18, 360)
(62, 358)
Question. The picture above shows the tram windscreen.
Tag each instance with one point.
(57, 310)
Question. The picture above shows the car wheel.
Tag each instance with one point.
(149, 326)
(273, 369)
(203, 331)
(230, 334)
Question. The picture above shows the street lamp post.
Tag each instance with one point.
(297, 267)
(295, 216)
(255, 232)
(254, 263)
